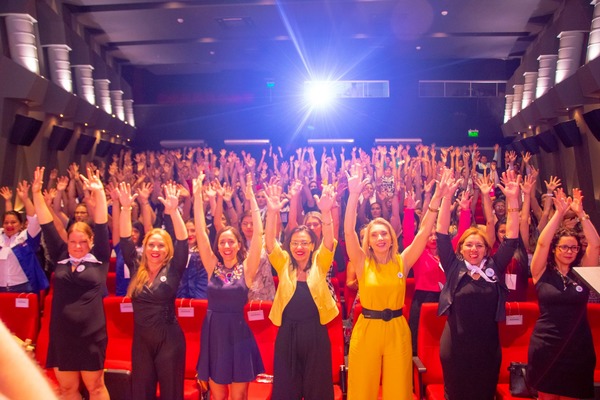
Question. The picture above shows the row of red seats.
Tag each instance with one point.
(514, 341)
(191, 313)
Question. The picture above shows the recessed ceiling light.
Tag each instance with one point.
(444, 13)
(180, 20)
(212, 53)
(418, 47)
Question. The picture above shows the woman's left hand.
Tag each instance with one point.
(577, 203)
(327, 199)
(171, 199)
(92, 182)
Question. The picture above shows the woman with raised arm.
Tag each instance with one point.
(303, 304)
(19, 243)
(380, 347)
(473, 298)
(561, 357)
(158, 349)
(229, 355)
(78, 339)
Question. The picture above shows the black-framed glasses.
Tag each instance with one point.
(564, 248)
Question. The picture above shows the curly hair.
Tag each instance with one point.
(565, 232)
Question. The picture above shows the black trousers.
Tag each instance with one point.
(420, 297)
(158, 355)
(302, 367)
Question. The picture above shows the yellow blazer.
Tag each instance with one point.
(316, 281)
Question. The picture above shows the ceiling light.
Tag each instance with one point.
(180, 20)
(246, 141)
(444, 13)
(330, 141)
(398, 140)
(418, 47)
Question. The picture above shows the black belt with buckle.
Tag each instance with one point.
(385, 315)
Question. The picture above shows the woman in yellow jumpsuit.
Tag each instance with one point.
(380, 348)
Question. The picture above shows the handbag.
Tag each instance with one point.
(518, 385)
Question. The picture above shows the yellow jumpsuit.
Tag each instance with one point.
(380, 349)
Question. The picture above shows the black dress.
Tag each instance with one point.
(158, 349)
(561, 350)
(470, 350)
(302, 367)
(78, 336)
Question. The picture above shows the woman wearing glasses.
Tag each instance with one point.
(473, 298)
(303, 305)
(561, 351)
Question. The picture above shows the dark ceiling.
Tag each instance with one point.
(198, 67)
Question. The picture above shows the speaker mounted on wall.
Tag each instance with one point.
(24, 130)
(60, 138)
(547, 141)
(592, 119)
(102, 148)
(531, 145)
(568, 133)
(84, 144)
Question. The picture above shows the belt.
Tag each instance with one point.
(385, 315)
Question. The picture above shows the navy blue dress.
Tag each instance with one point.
(228, 350)
(561, 356)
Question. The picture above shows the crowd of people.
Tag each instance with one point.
(226, 226)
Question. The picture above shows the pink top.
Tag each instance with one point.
(428, 271)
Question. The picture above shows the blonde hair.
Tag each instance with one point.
(141, 276)
(391, 256)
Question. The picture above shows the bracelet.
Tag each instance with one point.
(517, 209)
(584, 217)
(126, 208)
(433, 210)
(327, 223)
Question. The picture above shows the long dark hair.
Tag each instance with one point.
(16, 214)
(242, 252)
(313, 239)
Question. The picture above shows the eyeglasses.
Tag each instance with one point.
(564, 248)
(298, 244)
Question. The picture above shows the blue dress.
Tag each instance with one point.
(228, 350)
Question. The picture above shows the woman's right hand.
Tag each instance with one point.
(355, 179)
(126, 199)
(38, 180)
(274, 199)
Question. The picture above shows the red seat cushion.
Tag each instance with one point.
(20, 312)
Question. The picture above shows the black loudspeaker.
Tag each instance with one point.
(568, 133)
(592, 119)
(84, 144)
(547, 141)
(24, 130)
(59, 138)
(102, 148)
(531, 145)
(518, 146)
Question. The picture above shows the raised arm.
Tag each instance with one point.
(209, 260)
(542, 249)
(589, 230)
(256, 243)
(355, 252)
(446, 187)
(325, 204)
(94, 184)
(512, 192)
(41, 208)
(171, 203)
(274, 206)
(485, 185)
(7, 194)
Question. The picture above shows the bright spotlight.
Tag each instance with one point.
(319, 94)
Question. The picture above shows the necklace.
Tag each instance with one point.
(228, 275)
(565, 279)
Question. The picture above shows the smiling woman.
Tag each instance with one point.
(229, 356)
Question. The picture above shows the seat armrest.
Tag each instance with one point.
(418, 370)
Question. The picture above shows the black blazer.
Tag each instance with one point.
(456, 269)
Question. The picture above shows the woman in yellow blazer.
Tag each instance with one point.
(303, 304)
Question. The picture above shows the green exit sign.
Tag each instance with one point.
(473, 133)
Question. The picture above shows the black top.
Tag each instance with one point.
(456, 269)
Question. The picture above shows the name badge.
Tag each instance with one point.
(256, 315)
(511, 281)
(514, 320)
(22, 302)
(185, 312)
(490, 272)
(80, 268)
(126, 307)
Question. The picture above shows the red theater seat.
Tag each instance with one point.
(41, 348)
(429, 380)
(594, 320)
(514, 340)
(20, 312)
(335, 329)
